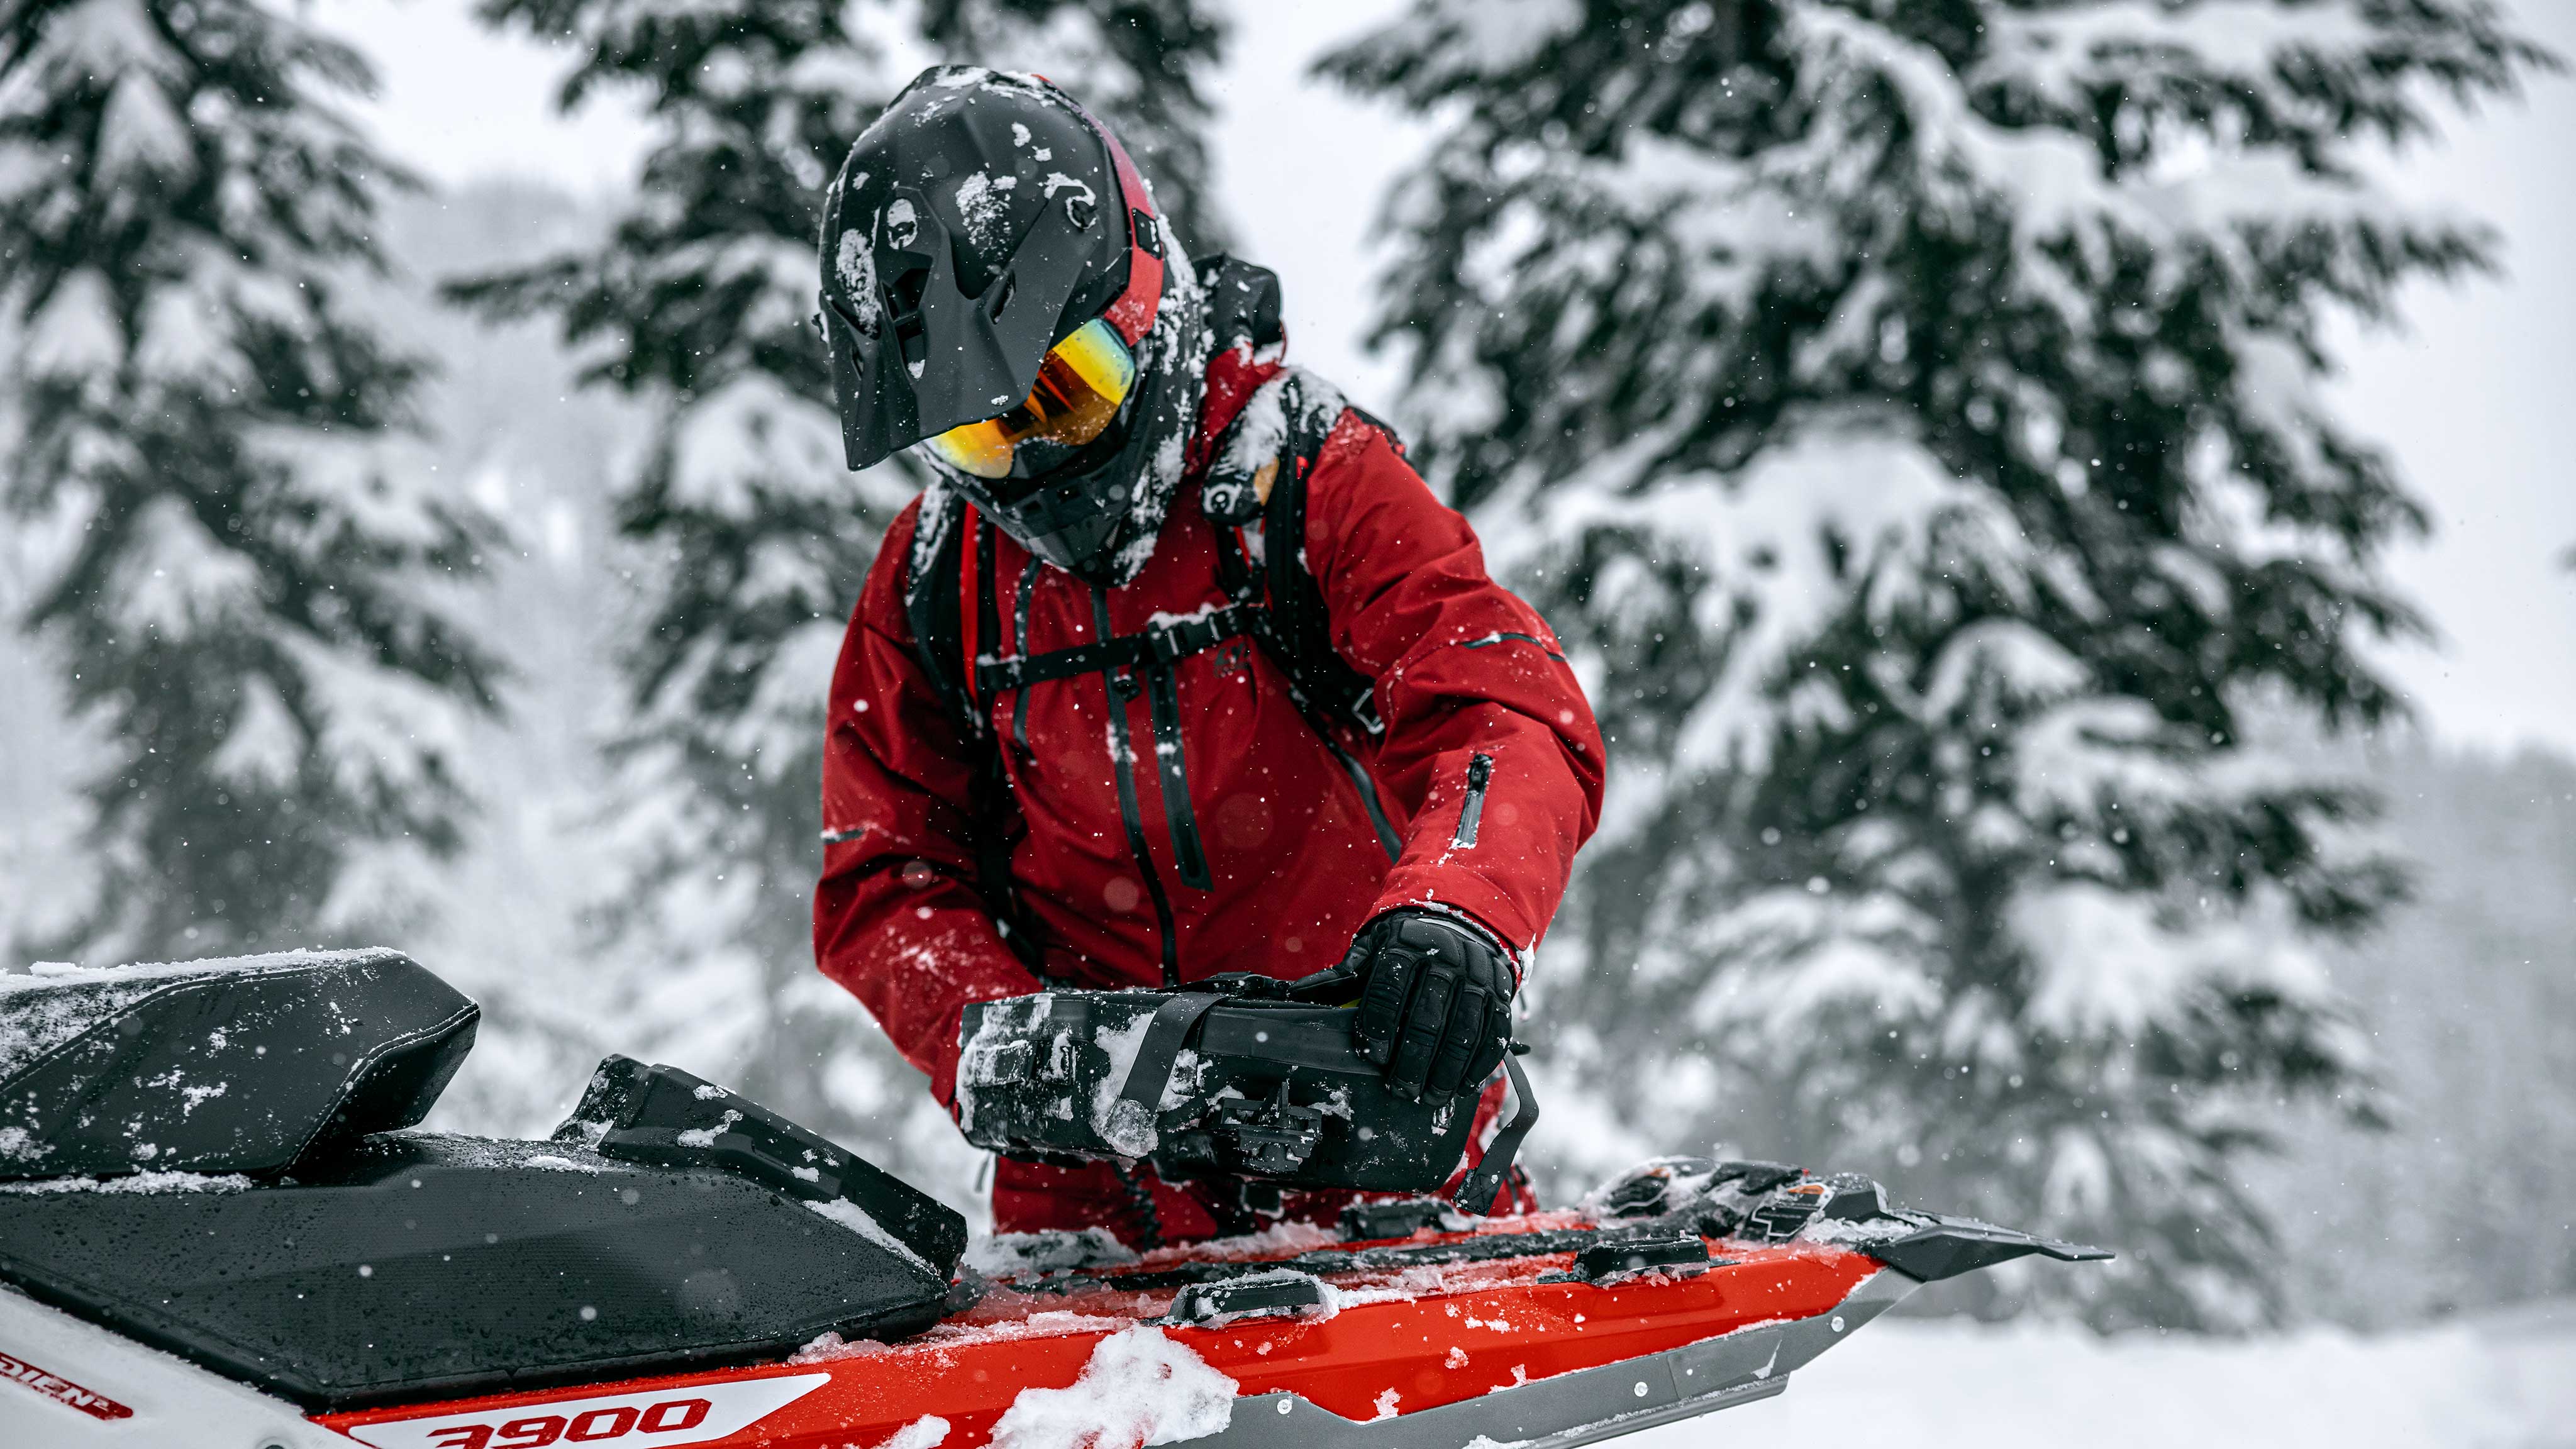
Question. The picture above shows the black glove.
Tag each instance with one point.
(1435, 1002)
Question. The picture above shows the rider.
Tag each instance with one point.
(1176, 667)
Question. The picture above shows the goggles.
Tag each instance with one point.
(1081, 384)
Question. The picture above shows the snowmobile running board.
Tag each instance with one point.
(254, 1250)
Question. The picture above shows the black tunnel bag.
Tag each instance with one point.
(1205, 1084)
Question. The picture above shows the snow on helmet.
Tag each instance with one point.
(999, 291)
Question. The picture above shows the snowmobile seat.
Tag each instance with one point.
(669, 1225)
(421, 1265)
(199, 1158)
(247, 1065)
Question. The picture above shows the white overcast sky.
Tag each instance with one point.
(2477, 398)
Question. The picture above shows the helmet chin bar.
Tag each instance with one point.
(1077, 515)
(1060, 519)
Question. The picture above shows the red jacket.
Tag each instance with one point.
(1294, 864)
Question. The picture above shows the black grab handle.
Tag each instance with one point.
(1477, 1191)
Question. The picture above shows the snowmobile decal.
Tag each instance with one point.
(701, 1414)
(61, 1390)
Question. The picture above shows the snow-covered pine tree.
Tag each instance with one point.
(751, 536)
(1909, 410)
(1139, 64)
(237, 559)
(748, 539)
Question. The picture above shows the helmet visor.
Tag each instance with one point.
(1081, 384)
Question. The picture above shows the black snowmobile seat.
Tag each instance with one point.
(209, 1159)
(232, 1066)
(422, 1265)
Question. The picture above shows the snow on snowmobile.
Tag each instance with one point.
(220, 1226)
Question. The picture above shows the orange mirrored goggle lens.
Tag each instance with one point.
(1080, 387)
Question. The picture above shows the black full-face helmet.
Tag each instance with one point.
(999, 290)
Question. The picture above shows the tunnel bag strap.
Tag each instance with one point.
(1164, 1035)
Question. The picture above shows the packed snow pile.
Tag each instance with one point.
(1122, 1124)
(1140, 1388)
(927, 1432)
(138, 1183)
(1280, 1238)
(1026, 1255)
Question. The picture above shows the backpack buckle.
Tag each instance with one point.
(1177, 639)
(1166, 642)
(1364, 711)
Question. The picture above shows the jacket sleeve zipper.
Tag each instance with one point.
(1480, 773)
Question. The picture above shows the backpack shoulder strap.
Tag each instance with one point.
(948, 599)
(1299, 622)
(931, 602)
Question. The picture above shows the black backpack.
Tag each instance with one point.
(1257, 477)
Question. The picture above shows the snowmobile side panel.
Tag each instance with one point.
(1586, 1405)
(221, 1066)
(423, 1266)
(167, 1401)
(1513, 1350)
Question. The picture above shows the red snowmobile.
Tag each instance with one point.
(216, 1228)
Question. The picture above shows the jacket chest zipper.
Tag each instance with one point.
(1387, 839)
(1119, 686)
(1020, 645)
(1471, 811)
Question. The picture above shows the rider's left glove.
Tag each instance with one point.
(1435, 1002)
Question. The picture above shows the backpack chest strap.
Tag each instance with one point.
(1161, 643)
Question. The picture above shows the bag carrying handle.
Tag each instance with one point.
(1175, 1019)
(1161, 1048)
(1477, 1191)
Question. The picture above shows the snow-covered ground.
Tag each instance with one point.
(2499, 1382)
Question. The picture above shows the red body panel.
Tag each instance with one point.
(1429, 1336)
